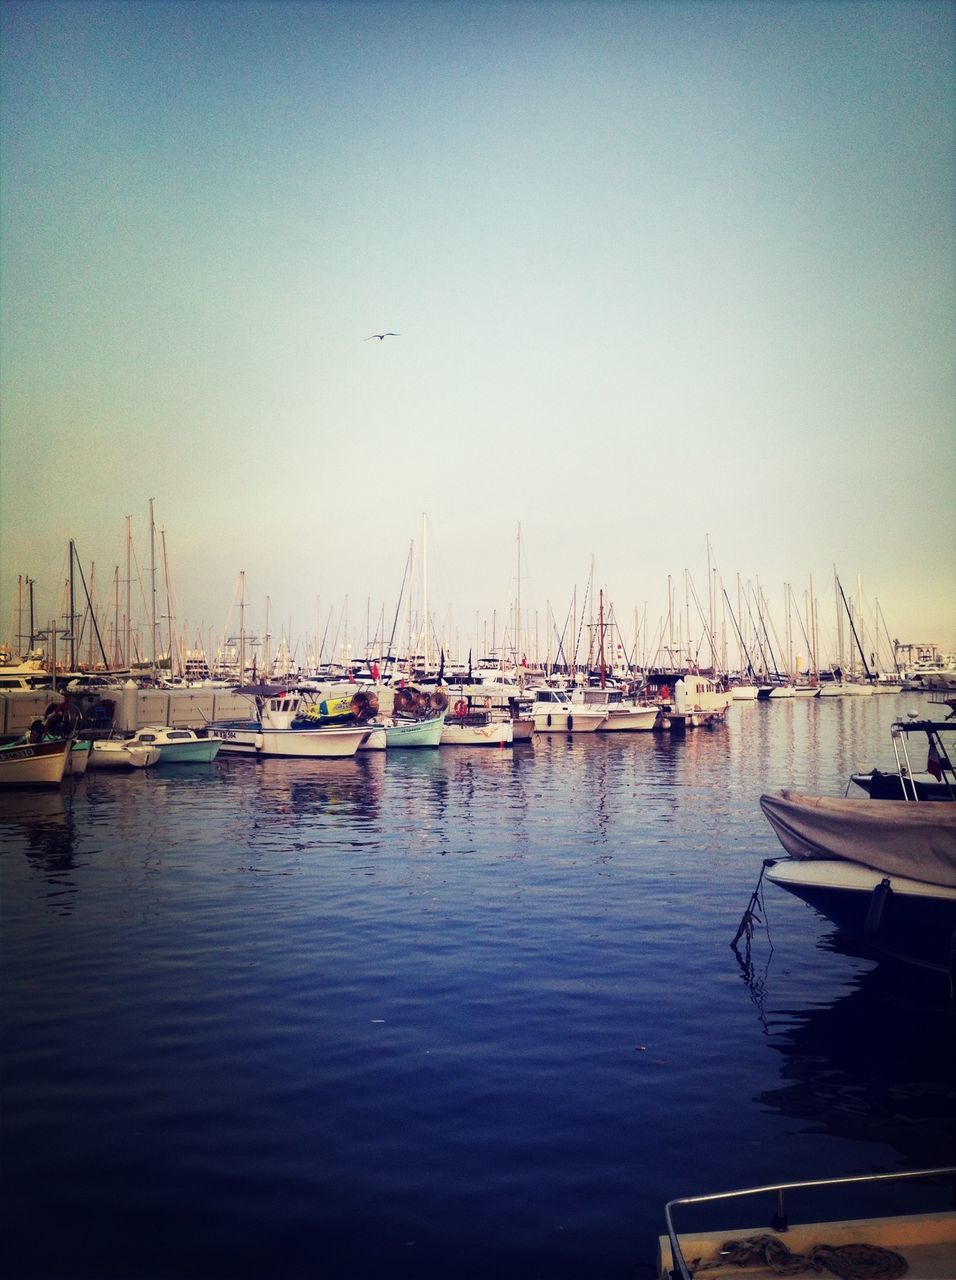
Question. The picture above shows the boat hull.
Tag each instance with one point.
(79, 758)
(576, 721)
(110, 754)
(414, 733)
(37, 764)
(630, 720)
(311, 744)
(497, 733)
(894, 916)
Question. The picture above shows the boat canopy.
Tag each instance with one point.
(898, 837)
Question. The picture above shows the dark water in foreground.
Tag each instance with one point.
(449, 1013)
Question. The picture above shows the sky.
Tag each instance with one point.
(674, 289)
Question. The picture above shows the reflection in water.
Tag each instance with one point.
(875, 1066)
(43, 820)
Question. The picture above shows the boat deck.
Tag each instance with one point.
(926, 1241)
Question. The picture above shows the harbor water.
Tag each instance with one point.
(447, 1013)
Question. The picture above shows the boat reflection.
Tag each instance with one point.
(874, 1066)
(43, 820)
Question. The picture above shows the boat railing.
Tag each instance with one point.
(682, 1271)
(900, 731)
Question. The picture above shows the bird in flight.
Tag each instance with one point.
(380, 336)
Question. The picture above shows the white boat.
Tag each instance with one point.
(845, 689)
(178, 746)
(280, 728)
(620, 715)
(694, 692)
(553, 712)
(377, 739)
(472, 722)
(921, 1246)
(26, 763)
(744, 692)
(883, 871)
(121, 753)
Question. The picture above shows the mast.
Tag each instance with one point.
(169, 604)
(127, 646)
(72, 611)
(242, 627)
(152, 575)
(425, 593)
(518, 606)
(601, 633)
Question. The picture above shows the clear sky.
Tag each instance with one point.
(661, 273)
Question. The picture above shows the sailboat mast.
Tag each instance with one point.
(152, 575)
(127, 646)
(242, 627)
(518, 606)
(425, 592)
(72, 611)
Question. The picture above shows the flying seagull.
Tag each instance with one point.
(380, 336)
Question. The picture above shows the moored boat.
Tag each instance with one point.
(414, 732)
(921, 1246)
(553, 712)
(122, 753)
(473, 723)
(620, 714)
(178, 746)
(884, 872)
(937, 781)
(280, 728)
(39, 763)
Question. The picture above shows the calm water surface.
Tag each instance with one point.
(458, 1012)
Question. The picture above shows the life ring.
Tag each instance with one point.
(461, 708)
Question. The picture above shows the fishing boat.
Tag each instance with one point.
(553, 712)
(414, 732)
(473, 722)
(620, 715)
(921, 1246)
(884, 873)
(178, 746)
(280, 727)
(39, 763)
(122, 753)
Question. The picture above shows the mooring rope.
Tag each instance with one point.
(847, 1261)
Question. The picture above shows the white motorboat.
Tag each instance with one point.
(38, 763)
(921, 1246)
(553, 712)
(620, 715)
(122, 753)
(281, 728)
(178, 746)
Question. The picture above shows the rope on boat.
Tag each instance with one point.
(847, 1261)
(751, 916)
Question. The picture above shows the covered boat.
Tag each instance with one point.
(885, 872)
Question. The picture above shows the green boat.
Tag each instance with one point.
(415, 733)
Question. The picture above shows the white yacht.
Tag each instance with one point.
(554, 712)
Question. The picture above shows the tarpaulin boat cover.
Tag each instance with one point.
(899, 837)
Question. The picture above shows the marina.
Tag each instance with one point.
(460, 1010)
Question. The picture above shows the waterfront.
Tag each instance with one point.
(438, 1012)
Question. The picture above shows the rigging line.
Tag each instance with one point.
(89, 603)
(733, 618)
(587, 592)
(869, 674)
